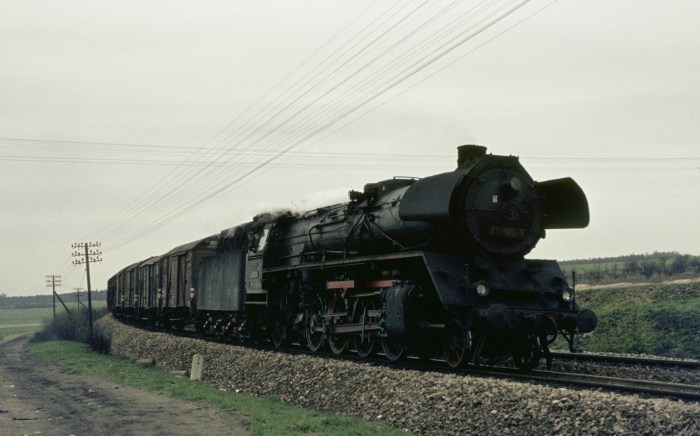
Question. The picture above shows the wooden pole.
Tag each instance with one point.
(87, 269)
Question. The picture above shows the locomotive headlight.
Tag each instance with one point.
(515, 184)
(567, 295)
(482, 290)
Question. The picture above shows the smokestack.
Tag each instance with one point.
(467, 153)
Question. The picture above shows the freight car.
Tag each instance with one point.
(431, 266)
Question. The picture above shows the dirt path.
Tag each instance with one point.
(11, 326)
(41, 398)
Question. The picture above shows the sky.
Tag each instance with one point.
(146, 125)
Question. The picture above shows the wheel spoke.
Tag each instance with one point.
(364, 346)
(314, 337)
(393, 350)
(364, 342)
(279, 331)
(456, 343)
(338, 344)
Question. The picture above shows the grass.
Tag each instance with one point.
(37, 315)
(659, 319)
(15, 321)
(9, 331)
(25, 316)
(268, 416)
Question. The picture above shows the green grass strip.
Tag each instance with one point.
(9, 331)
(267, 415)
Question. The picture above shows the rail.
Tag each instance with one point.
(627, 360)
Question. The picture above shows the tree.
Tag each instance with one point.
(649, 267)
(615, 270)
(694, 264)
(679, 265)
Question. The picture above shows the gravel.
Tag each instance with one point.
(420, 402)
(639, 372)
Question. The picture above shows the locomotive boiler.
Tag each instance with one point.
(429, 267)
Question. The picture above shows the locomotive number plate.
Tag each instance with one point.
(507, 232)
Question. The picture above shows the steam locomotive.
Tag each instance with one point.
(428, 267)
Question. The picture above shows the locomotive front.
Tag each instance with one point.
(490, 213)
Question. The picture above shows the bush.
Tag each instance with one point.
(75, 327)
(659, 319)
(100, 341)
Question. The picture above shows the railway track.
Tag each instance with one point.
(655, 388)
(627, 360)
(619, 384)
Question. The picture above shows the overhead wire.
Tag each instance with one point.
(417, 66)
(355, 90)
(303, 131)
(252, 158)
(108, 148)
(397, 94)
(235, 180)
(170, 194)
(375, 39)
(145, 201)
(269, 132)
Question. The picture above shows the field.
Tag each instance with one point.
(14, 321)
(656, 267)
(658, 319)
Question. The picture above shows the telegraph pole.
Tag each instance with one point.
(91, 254)
(77, 294)
(53, 280)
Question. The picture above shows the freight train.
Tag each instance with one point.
(428, 267)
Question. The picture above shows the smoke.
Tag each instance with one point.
(320, 198)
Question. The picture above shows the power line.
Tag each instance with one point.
(166, 150)
(196, 199)
(317, 101)
(330, 160)
(170, 195)
(145, 203)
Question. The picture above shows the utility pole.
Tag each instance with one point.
(77, 296)
(53, 280)
(91, 254)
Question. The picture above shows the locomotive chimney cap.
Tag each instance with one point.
(466, 153)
